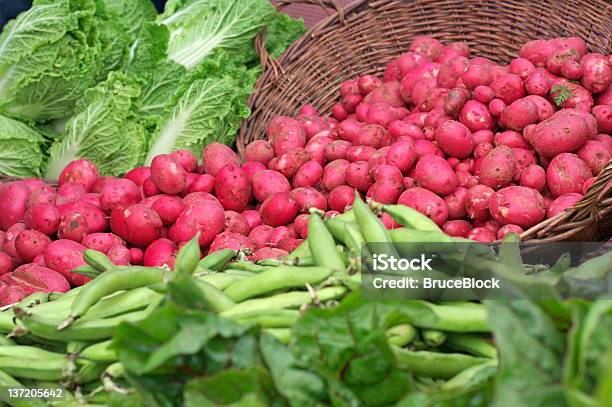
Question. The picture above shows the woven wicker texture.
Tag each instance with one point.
(364, 36)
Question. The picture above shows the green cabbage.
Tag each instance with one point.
(131, 15)
(20, 154)
(104, 130)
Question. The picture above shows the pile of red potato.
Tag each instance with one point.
(482, 149)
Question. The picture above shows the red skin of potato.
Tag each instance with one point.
(477, 202)
(96, 219)
(521, 67)
(168, 208)
(261, 235)
(266, 183)
(280, 233)
(340, 198)
(250, 168)
(252, 217)
(603, 115)
(588, 184)
(504, 230)
(519, 206)
(138, 176)
(101, 181)
(597, 73)
(498, 167)
(456, 203)
(385, 191)
(268, 253)
(484, 94)
(10, 239)
(205, 217)
(496, 107)
(521, 113)
(300, 224)
(160, 252)
(455, 139)
(561, 203)
(196, 198)
(565, 131)
(136, 256)
(285, 134)
(202, 183)
(308, 197)
(476, 116)
(233, 188)
(359, 153)
(308, 175)
(186, 159)
(101, 242)
(13, 199)
(137, 224)
(149, 188)
(43, 217)
(511, 139)
(457, 228)
(523, 158)
(566, 173)
(334, 174)
(435, 173)
(236, 223)
(316, 146)
(402, 155)
(481, 234)
(335, 150)
(533, 176)
(65, 255)
(83, 172)
(120, 255)
(217, 156)
(425, 202)
(288, 244)
(34, 278)
(279, 210)
(41, 196)
(230, 240)
(119, 192)
(477, 75)
(289, 163)
(508, 87)
(596, 154)
(260, 151)
(169, 176)
(6, 263)
(71, 191)
(73, 226)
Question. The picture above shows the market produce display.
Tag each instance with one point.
(113, 82)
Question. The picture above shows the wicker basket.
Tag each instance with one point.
(366, 35)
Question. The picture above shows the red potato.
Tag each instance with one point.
(91, 199)
(13, 199)
(195, 198)
(475, 116)
(519, 114)
(484, 94)
(312, 125)
(308, 197)
(422, 71)
(31, 243)
(285, 134)
(340, 198)
(537, 83)
(386, 172)
(10, 238)
(138, 176)
(120, 255)
(496, 107)
(368, 83)
(453, 162)
(519, 206)
(290, 162)
(190, 177)
(186, 159)
(388, 222)
(595, 154)
(477, 75)
(451, 71)
(136, 256)
(564, 132)
(399, 128)
(481, 136)
(570, 42)
(604, 138)
(498, 167)
(82, 172)
(349, 87)
(385, 191)
(457, 228)
(597, 73)
(279, 210)
(261, 235)
(229, 240)
(388, 93)
(216, 156)
(401, 155)
(64, 256)
(288, 244)
(73, 226)
(491, 225)
(433, 119)
(605, 98)
(205, 217)
(137, 224)
(266, 183)
(358, 177)
(41, 196)
(455, 139)
(504, 230)
(33, 278)
(561, 203)
(482, 149)
(348, 130)
(566, 173)
(572, 69)
(268, 253)
(11, 294)
(335, 150)
(426, 147)
(421, 90)
(545, 109)
(250, 168)
(533, 176)
(428, 46)
(119, 192)
(339, 112)
(477, 202)
(260, 151)
(456, 203)
(334, 174)
(359, 153)
(71, 191)
(521, 67)
(378, 158)
(168, 175)
(159, 253)
(559, 57)
(43, 217)
(168, 208)
(308, 175)
(149, 188)
(301, 225)
(508, 87)
(101, 242)
(434, 173)
(580, 98)
(96, 219)
(603, 115)
(203, 183)
(523, 158)
(6, 263)
(236, 223)
(232, 188)
(380, 114)
(316, 147)
(481, 235)
(278, 234)
(425, 202)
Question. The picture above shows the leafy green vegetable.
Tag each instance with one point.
(103, 130)
(20, 153)
(282, 32)
(198, 28)
(132, 14)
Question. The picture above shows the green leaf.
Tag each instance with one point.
(20, 149)
(131, 15)
(282, 32)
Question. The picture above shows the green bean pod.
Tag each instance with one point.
(371, 227)
(284, 261)
(33, 299)
(215, 298)
(302, 250)
(246, 266)
(7, 380)
(411, 218)
(292, 299)
(99, 352)
(121, 302)
(269, 318)
(401, 335)
(474, 345)
(433, 337)
(108, 283)
(276, 278)
(98, 260)
(89, 372)
(6, 322)
(188, 257)
(592, 269)
(335, 226)
(87, 271)
(4, 341)
(39, 369)
(434, 364)
(221, 280)
(216, 261)
(282, 334)
(322, 244)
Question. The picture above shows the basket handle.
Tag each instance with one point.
(265, 59)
